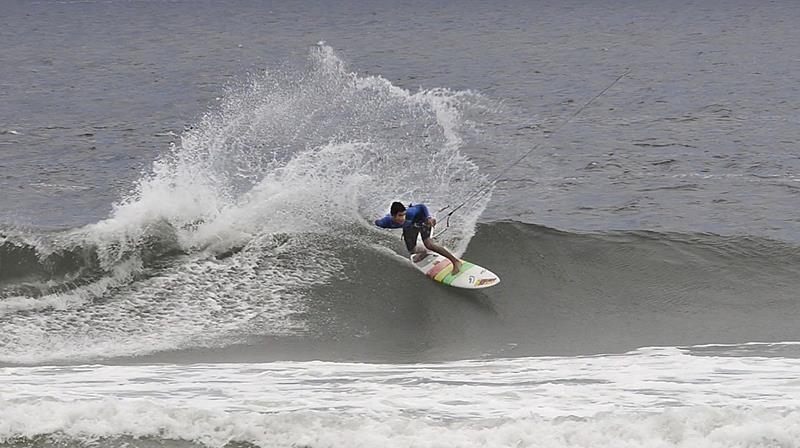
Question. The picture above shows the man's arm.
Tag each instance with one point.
(385, 222)
(425, 213)
(429, 220)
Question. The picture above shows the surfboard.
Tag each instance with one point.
(471, 276)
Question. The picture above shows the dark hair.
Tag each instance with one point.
(397, 208)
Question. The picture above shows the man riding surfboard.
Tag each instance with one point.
(416, 220)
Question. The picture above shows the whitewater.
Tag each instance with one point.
(650, 397)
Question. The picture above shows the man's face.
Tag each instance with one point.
(399, 218)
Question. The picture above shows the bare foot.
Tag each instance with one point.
(420, 257)
(456, 268)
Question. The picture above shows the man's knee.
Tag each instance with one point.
(429, 244)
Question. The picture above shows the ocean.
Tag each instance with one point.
(188, 256)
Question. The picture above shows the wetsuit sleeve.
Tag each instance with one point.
(385, 222)
(425, 213)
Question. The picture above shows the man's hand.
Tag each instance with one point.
(431, 222)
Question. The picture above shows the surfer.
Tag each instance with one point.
(416, 220)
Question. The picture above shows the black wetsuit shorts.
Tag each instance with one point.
(410, 235)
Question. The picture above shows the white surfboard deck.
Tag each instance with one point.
(471, 276)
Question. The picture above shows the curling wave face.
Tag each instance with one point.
(564, 293)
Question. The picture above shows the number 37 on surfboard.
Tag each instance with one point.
(438, 264)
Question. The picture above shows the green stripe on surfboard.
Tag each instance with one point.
(450, 277)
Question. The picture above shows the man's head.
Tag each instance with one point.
(398, 212)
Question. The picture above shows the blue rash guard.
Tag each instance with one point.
(416, 215)
(413, 226)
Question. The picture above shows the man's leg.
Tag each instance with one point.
(428, 242)
(419, 254)
(410, 238)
